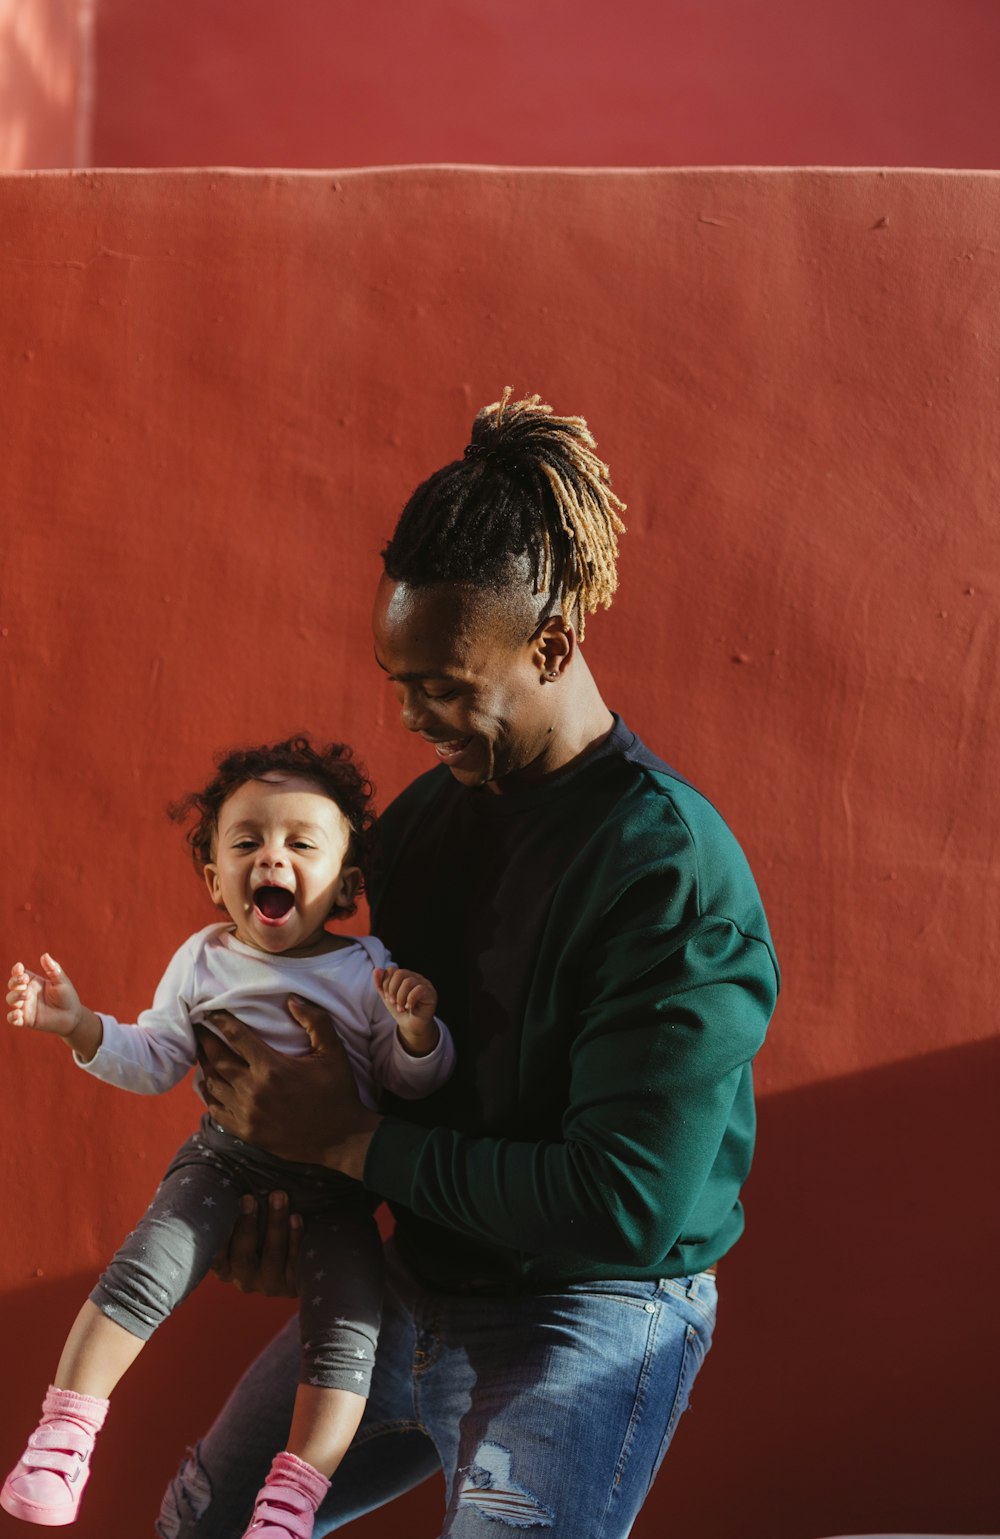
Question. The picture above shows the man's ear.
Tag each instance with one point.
(553, 646)
(347, 888)
(213, 885)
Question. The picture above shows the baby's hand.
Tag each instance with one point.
(411, 1001)
(43, 1002)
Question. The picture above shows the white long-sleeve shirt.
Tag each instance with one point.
(214, 971)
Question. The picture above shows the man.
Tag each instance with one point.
(604, 963)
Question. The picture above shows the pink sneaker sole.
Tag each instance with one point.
(33, 1512)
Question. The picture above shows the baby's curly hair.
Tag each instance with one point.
(331, 766)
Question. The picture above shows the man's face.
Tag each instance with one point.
(464, 680)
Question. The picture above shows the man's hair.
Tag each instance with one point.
(529, 485)
(331, 767)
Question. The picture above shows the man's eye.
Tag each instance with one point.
(448, 694)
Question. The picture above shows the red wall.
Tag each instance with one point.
(218, 389)
(571, 82)
(660, 82)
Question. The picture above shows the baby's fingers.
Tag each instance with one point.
(17, 1014)
(387, 981)
(406, 992)
(17, 986)
(422, 998)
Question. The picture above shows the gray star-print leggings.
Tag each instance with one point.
(192, 1216)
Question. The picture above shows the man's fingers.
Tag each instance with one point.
(214, 1053)
(242, 1041)
(238, 1262)
(274, 1254)
(315, 1022)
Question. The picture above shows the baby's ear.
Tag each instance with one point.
(348, 888)
(213, 885)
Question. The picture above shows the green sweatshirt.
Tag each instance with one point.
(605, 966)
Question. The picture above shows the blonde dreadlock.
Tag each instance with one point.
(529, 483)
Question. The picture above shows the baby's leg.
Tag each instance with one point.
(166, 1255)
(340, 1292)
(340, 1308)
(96, 1355)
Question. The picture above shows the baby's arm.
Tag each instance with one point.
(411, 1001)
(411, 1051)
(148, 1058)
(48, 1002)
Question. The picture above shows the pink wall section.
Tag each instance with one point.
(218, 389)
(43, 54)
(565, 82)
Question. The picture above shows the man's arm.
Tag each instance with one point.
(657, 1061)
(659, 1057)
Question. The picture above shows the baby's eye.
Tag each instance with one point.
(244, 844)
(302, 844)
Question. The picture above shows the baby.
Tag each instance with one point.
(282, 835)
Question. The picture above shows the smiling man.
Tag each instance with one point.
(604, 961)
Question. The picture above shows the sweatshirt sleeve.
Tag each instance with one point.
(155, 1053)
(667, 1020)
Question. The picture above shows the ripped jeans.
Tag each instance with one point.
(548, 1413)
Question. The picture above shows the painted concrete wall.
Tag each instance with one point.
(513, 82)
(548, 82)
(218, 389)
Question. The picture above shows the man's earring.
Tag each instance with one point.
(553, 675)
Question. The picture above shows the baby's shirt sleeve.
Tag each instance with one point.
(155, 1053)
(393, 1068)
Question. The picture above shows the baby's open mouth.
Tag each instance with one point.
(272, 903)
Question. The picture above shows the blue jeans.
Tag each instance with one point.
(546, 1412)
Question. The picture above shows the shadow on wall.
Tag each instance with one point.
(862, 1295)
(863, 1291)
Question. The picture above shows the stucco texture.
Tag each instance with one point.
(218, 390)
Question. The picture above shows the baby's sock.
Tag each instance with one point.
(47, 1482)
(286, 1503)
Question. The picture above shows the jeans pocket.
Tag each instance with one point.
(697, 1340)
(698, 1293)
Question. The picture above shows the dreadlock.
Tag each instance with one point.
(529, 484)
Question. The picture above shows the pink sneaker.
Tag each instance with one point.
(47, 1482)
(281, 1512)
(286, 1504)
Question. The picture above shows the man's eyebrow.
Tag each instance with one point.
(414, 677)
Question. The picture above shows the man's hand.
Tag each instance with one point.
(304, 1109)
(265, 1265)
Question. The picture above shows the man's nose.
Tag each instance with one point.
(415, 715)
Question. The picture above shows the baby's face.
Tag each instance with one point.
(279, 869)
